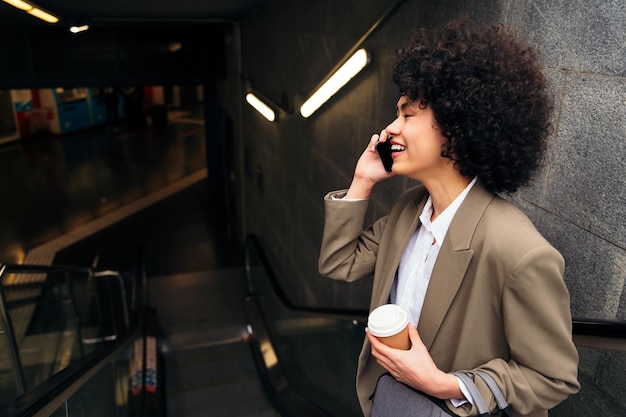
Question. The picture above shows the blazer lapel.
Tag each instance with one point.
(454, 258)
(406, 226)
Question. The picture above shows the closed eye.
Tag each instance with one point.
(405, 115)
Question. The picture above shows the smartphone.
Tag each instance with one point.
(384, 151)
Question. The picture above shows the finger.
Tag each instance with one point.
(373, 339)
(378, 348)
(373, 141)
(414, 336)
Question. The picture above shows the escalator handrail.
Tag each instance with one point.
(57, 388)
(48, 396)
(599, 328)
(580, 326)
(89, 274)
(23, 268)
(52, 281)
(116, 276)
(253, 242)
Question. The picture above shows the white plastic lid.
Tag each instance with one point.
(387, 320)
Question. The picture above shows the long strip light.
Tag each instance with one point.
(32, 10)
(22, 5)
(335, 82)
(45, 16)
(261, 107)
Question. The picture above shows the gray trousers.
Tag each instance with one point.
(394, 399)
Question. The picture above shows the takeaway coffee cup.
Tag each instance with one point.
(390, 324)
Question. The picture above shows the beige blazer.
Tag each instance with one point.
(496, 299)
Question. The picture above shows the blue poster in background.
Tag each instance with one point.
(22, 100)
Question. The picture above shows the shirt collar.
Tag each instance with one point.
(439, 227)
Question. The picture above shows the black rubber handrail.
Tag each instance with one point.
(35, 399)
(599, 328)
(252, 240)
(581, 326)
(51, 280)
(61, 385)
(21, 268)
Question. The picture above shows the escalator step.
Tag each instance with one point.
(217, 381)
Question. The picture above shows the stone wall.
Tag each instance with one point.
(285, 168)
(579, 201)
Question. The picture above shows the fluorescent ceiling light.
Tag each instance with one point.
(345, 73)
(45, 16)
(22, 5)
(261, 107)
(32, 10)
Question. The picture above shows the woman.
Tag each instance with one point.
(483, 289)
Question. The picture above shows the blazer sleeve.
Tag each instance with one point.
(543, 366)
(347, 251)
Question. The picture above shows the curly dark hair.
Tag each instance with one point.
(489, 97)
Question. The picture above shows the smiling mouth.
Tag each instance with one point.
(397, 148)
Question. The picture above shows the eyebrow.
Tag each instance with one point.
(403, 106)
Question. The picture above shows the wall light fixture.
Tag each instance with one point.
(32, 10)
(79, 29)
(22, 5)
(335, 82)
(261, 107)
(45, 16)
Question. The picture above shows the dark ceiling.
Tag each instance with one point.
(116, 12)
(130, 42)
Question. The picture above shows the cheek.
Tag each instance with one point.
(427, 153)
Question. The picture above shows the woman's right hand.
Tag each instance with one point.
(369, 170)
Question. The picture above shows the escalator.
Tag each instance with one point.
(314, 346)
(80, 342)
(76, 341)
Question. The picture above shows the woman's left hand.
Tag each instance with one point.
(415, 367)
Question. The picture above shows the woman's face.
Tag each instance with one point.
(416, 141)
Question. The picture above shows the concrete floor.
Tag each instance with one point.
(52, 186)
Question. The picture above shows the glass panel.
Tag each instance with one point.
(317, 353)
(8, 387)
(106, 394)
(59, 316)
(45, 330)
(61, 411)
(319, 356)
(53, 316)
(87, 309)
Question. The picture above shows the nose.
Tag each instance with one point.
(393, 128)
